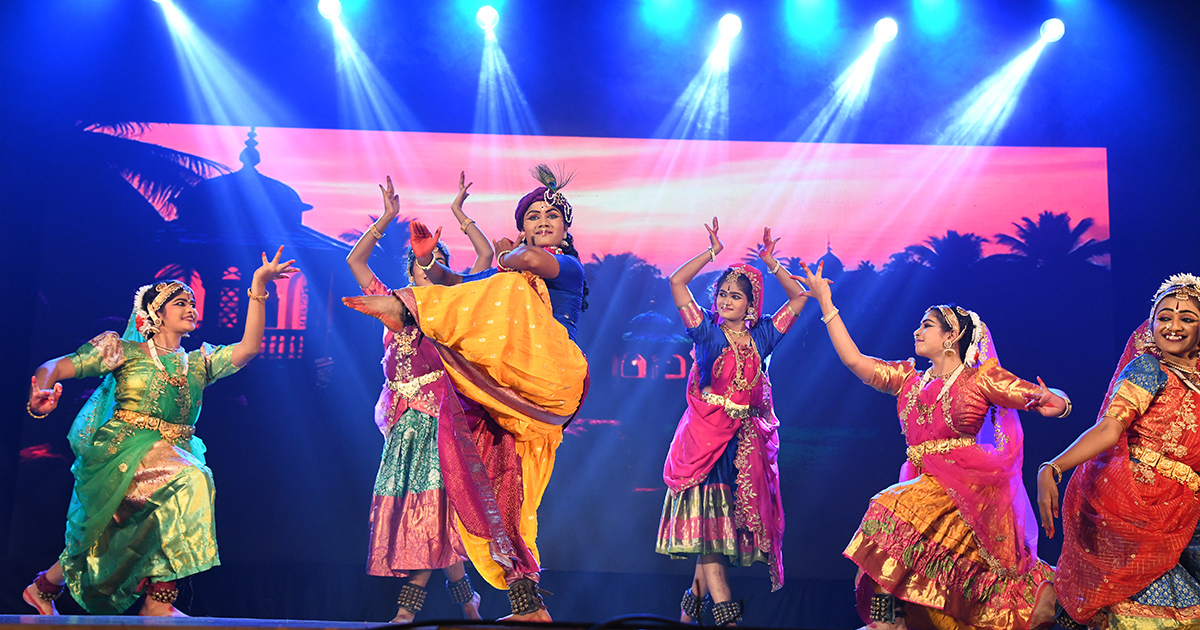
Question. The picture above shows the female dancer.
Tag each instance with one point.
(954, 543)
(1131, 548)
(507, 346)
(413, 529)
(142, 509)
(722, 470)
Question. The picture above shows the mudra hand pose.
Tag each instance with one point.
(141, 512)
(954, 543)
(507, 349)
(722, 470)
(413, 527)
(1131, 548)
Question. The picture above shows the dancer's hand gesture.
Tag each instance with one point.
(391, 201)
(1047, 499)
(462, 192)
(714, 241)
(422, 242)
(817, 285)
(766, 249)
(272, 269)
(43, 401)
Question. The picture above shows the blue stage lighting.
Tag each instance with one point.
(730, 26)
(1053, 29)
(886, 29)
(330, 9)
(935, 17)
(487, 17)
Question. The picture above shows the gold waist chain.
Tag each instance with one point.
(170, 431)
(410, 389)
(736, 411)
(917, 453)
(1166, 466)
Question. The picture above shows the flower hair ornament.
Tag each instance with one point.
(554, 183)
(953, 316)
(146, 318)
(1180, 285)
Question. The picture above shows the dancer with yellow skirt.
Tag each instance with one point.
(507, 345)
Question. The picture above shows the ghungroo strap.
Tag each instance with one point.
(1063, 619)
(690, 605)
(525, 597)
(163, 592)
(727, 612)
(886, 607)
(460, 591)
(412, 597)
(46, 590)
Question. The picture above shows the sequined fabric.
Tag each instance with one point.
(1128, 528)
(141, 507)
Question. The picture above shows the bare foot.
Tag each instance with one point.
(686, 618)
(541, 616)
(44, 607)
(470, 609)
(1042, 616)
(404, 615)
(154, 608)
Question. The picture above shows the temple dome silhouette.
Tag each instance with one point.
(833, 264)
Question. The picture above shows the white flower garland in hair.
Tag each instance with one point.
(1184, 284)
(976, 336)
(141, 315)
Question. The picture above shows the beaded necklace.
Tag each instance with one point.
(174, 381)
(742, 354)
(925, 412)
(1189, 375)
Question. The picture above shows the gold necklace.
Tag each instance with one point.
(737, 333)
(743, 353)
(925, 412)
(166, 348)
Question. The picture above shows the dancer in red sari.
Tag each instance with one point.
(1131, 548)
(722, 470)
(954, 544)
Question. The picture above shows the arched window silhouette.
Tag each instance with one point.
(633, 366)
(672, 367)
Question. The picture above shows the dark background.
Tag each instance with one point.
(294, 461)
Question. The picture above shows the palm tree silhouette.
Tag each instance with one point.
(1051, 241)
(953, 251)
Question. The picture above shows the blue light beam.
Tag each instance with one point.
(845, 98)
(366, 100)
(500, 105)
(702, 111)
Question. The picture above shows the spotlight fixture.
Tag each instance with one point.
(487, 17)
(1053, 30)
(886, 29)
(730, 26)
(330, 9)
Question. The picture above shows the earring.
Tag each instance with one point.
(947, 349)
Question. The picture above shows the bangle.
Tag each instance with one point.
(712, 256)
(776, 269)
(375, 232)
(30, 410)
(258, 298)
(1054, 469)
(1066, 412)
(829, 317)
(499, 263)
(466, 224)
(432, 261)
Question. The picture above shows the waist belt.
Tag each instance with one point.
(1166, 466)
(736, 411)
(917, 452)
(410, 389)
(170, 431)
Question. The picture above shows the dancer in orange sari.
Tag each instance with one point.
(508, 350)
(1131, 547)
(954, 544)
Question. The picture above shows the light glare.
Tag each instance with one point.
(886, 29)
(330, 9)
(487, 17)
(1053, 30)
(730, 26)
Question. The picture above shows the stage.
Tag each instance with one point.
(100, 622)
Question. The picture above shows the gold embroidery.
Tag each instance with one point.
(1166, 466)
(170, 431)
(917, 452)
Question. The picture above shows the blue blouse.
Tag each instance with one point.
(566, 292)
(710, 340)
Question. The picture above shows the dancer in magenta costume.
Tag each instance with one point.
(413, 526)
(722, 469)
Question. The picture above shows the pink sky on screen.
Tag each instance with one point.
(651, 197)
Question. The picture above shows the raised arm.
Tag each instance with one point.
(529, 258)
(690, 269)
(256, 312)
(357, 258)
(44, 386)
(483, 247)
(818, 287)
(795, 292)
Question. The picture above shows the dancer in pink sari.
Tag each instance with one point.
(954, 544)
(722, 470)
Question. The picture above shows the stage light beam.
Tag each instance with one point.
(1053, 30)
(886, 29)
(487, 17)
(729, 26)
(330, 9)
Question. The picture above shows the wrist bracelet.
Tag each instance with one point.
(375, 232)
(776, 269)
(30, 410)
(1055, 471)
(432, 261)
(829, 317)
(1066, 412)
(466, 224)
(712, 256)
(258, 298)
(501, 264)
